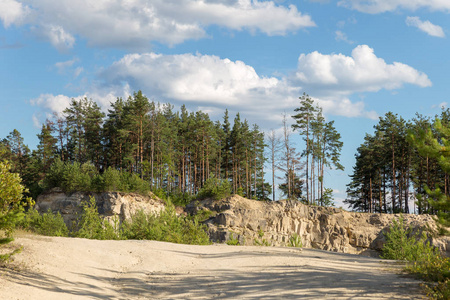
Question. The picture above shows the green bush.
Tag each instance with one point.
(11, 207)
(233, 241)
(92, 226)
(215, 188)
(74, 177)
(424, 260)
(49, 224)
(402, 245)
(112, 181)
(166, 226)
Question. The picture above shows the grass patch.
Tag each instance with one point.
(295, 241)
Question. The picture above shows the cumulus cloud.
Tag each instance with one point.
(55, 104)
(213, 83)
(380, 6)
(363, 71)
(425, 26)
(12, 12)
(187, 77)
(134, 24)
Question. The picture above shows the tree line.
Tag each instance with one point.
(176, 152)
(402, 163)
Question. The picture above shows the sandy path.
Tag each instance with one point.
(69, 268)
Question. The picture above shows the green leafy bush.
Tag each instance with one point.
(215, 188)
(49, 224)
(166, 226)
(233, 241)
(11, 207)
(74, 177)
(402, 245)
(424, 260)
(92, 226)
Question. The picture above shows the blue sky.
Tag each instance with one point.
(357, 58)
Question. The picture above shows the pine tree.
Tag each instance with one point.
(304, 117)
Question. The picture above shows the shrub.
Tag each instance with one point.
(92, 226)
(11, 206)
(402, 245)
(49, 224)
(112, 181)
(233, 241)
(166, 226)
(215, 188)
(425, 261)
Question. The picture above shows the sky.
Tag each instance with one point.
(358, 60)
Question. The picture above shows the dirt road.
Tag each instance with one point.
(69, 268)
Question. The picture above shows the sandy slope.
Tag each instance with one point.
(69, 268)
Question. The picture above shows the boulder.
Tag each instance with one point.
(109, 204)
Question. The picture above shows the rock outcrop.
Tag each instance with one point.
(109, 204)
(333, 229)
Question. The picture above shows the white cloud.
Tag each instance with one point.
(341, 36)
(64, 65)
(363, 71)
(12, 12)
(425, 26)
(58, 37)
(213, 83)
(56, 104)
(187, 77)
(134, 24)
(77, 72)
(380, 6)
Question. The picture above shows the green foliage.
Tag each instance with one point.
(425, 261)
(261, 241)
(402, 245)
(204, 214)
(327, 198)
(215, 188)
(295, 241)
(49, 224)
(92, 226)
(180, 199)
(11, 206)
(73, 177)
(166, 226)
(232, 241)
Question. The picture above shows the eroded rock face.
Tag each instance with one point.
(253, 222)
(109, 204)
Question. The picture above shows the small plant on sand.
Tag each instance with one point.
(233, 241)
(261, 241)
(295, 241)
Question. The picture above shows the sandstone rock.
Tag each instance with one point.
(330, 229)
(109, 204)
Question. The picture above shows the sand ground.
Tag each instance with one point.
(71, 268)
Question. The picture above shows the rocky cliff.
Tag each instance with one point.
(333, 229)
(259, 223)
(109, 204)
